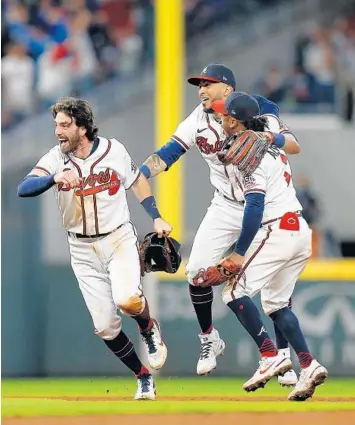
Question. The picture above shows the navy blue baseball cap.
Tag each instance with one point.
(238, 105)
(215, 72)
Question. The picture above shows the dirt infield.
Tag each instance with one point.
(314, 418)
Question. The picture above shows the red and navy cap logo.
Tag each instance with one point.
(215, 72)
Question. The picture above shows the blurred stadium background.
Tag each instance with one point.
(298, 53)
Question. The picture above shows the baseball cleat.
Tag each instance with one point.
(268, 367)
(289, 378)
(146, 388)
(310, 377)
(212, 346)
(156, 349)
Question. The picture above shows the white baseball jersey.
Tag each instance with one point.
(273, 179)
(206, 133)
(100, 205)
(277, 255)
(223, 220)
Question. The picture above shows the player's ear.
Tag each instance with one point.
(228, 90)
(82, 131)
(233, 123)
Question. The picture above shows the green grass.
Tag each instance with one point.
(122, 387)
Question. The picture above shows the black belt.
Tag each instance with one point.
(100, 235)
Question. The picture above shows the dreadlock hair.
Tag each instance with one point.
(256, 123)
(80, 110)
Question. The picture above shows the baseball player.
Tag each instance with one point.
(222, 222)
(273, 246)
(90, 175)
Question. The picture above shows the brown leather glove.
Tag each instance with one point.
(218, 274)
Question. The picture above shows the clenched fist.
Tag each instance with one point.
(162, 227)
(68, 178)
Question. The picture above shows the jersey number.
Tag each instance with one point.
(287, 177)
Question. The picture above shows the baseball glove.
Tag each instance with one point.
(159, 254)
(218, 274)
(245, 150)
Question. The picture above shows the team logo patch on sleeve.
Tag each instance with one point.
(249, 182)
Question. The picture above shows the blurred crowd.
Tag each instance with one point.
(324, 68)
(55, 47)
(51, 48)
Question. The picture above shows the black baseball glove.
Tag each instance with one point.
(159, 254)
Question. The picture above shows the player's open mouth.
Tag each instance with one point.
(204, 99)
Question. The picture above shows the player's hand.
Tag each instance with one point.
(68, 178)
(236, 259)
(162, 227)
(226, 269)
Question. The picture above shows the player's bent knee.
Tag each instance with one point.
(232, 291)
(192, 272)
(269, 307)
(108, 329)
(131, 306)
(227, 296)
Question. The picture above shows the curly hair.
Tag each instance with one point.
(80, 110)
(256, 124)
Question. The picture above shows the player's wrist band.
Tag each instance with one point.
(145, 170)
(150, 206)
(279, 140)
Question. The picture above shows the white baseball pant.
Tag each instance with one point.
(272, 266)
(108, 272)
(218, 231)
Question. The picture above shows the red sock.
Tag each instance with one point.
(150, 325)
(305, 359)
(268, 348)
(209, 330)
(144, 371)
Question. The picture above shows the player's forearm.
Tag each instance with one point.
(153, 166)
(162, 159)
(253, 214)
(141, 188)
(34, 185)
(285, 141)
(143, 191)
(291, 146)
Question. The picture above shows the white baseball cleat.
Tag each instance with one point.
(156, 349)
(146, 388)
(289, 378)
(268, 367)
(310, 377)
(212, 346)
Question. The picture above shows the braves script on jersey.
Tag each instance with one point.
(99, 205)
(205, 132)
